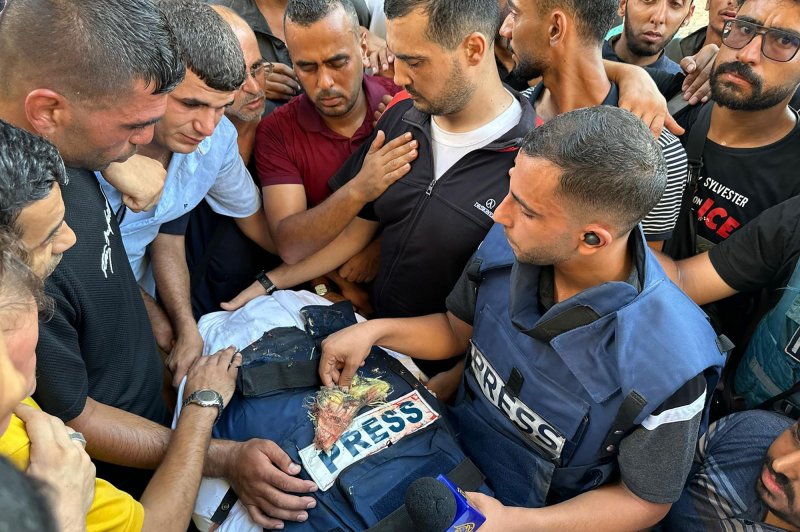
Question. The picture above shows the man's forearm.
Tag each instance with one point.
(122, 438)
(169, 498)
(352, 240)
(119, 437)
(168, 257)
(432, 337)
(304, 233)
(609, 508)
(255, 228)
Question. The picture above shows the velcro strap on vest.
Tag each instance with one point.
(724, 344)
(570, 319)
(473, 270)
(631, 407)
(263, 379)
(465, 475)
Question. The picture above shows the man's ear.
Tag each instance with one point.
(688, 18)
(594, 237)
(621, 10)
(46, 111)
(557, 30)
(475, 45)
(364, 46)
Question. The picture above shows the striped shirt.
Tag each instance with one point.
(659, 222)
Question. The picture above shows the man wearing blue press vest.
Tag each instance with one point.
(588, 374)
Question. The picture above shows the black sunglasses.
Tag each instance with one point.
(778, 45)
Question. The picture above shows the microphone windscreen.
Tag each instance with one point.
(430, 504)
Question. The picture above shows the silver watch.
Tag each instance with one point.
(206, 398)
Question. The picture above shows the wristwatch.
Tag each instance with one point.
(206, 398)
(266, 282)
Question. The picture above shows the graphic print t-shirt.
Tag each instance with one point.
(737, 184)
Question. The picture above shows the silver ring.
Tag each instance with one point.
(78, 437)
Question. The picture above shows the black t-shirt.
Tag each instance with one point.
(99, 342)
(737, 184)
(764, 253)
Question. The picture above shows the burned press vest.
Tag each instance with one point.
(547, 397)
(362, 480)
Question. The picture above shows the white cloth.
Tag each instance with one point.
(241, 328)
(377, 22)
(449, 148)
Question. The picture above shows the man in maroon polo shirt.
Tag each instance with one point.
(302, 144)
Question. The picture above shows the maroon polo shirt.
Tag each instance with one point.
(294, 145)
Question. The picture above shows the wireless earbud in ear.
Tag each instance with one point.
(591, 239)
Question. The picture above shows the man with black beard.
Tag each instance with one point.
(746, 476)
(752, 149)
(647, 29)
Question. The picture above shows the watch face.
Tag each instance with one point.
(206, 395)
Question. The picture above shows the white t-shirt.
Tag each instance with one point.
(449, 148)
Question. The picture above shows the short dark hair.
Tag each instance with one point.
(29, 166)
(86, 49)
(610, 162)
(450, 21)
(205, 43)
(594, 18)
(307, 12)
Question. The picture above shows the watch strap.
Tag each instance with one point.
(266, 282)
(194, 399)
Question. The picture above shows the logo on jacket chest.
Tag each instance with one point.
(532, 425)
(486, 207)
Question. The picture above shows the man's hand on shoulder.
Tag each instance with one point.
(697, 87)
(378, 59)
(140, 179)
(639, 95)
(385, 163)
(281, 82)
(385, 101)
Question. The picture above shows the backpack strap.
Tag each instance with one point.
(683, 243)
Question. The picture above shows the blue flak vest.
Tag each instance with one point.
(771, 363)
(542, 393)
(369, 493)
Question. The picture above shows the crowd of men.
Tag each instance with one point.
(495, 184)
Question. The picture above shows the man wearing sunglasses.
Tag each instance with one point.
(751, 150)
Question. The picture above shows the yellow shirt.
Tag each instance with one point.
(111, 509)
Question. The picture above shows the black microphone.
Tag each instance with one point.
(437, 505)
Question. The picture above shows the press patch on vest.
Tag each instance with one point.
(793, 347)
(546, 438)
(371, 432)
